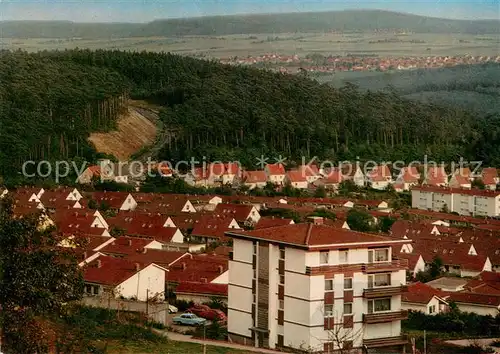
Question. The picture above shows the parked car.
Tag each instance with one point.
(172, 309)
(208, 313)
(189, 319)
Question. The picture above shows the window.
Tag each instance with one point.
(254, 298)
(96, 290)
(432, 309)
(343, 256)
(282, 253)
(382, 279)
(379, 305)
(377, 280)
(282, 279)
(348, 308)
(347, 283)
(323, 257)
(255, 248)
(328, 284)
(378, 255)
(328, 311)
(281, 304)
(255, 273)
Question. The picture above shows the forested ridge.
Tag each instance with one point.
(226, 112)
(48, 108)
(327, 21)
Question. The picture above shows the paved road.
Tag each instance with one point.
(184, 338)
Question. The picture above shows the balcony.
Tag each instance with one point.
(385, 342)
(383, 291)
(381, 317)
(395, 264)
(367, 268)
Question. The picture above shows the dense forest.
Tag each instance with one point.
(348, 20)
(474, 87)
(48, 108)
(223, 112)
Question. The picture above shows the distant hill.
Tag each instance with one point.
(349, 21)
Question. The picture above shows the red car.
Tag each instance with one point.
(208, 313)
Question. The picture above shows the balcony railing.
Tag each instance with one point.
(385, 342)
(389, 266)
(371, 293)
(385, 316)
(395, 264)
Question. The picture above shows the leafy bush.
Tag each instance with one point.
(457, 322)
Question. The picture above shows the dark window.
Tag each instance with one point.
(281, 340)
(281, 317)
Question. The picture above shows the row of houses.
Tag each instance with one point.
(352, 63)
(304, 176)
(287, 284)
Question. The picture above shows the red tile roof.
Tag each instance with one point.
(409, 175)
(463, 171)
(95, 169)
(270, 221)
(198, 268)
(380, 173)
(296, 176)
(113, 199)
(143, 225)
(109, 271)
(201, 288)
(333, 176)
(240, 212)
(458, 180)
(125, 245)
(421, 293)
(212, 226)
(473, 298)
(310, 235)
(161, 257)
(223, 250)
(275, 169)
(254, 177)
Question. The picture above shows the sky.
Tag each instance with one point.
(148, 10)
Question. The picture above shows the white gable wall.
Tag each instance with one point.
(150, 280)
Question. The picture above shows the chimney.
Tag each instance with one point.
(316, 220)
(99, 264)
(137, 267)
(144, 250)
(130, 242)
(204, 280)
(184, 266)
(221, 269)
(85, 255)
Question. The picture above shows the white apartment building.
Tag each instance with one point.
(314, 287)
(463, 201)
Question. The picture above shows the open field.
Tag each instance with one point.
(371, 44)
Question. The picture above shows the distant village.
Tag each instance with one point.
(284, 280)
(318, 63)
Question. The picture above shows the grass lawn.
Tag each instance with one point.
(168, 347)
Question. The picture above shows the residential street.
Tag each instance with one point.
(185, 338)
